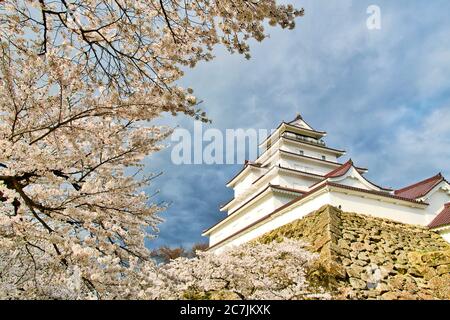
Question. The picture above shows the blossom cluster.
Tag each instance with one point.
(252, 271)
(81, 83)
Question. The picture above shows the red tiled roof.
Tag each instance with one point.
(442, 219)
(338, 172)
(344, 169)
(379, 193)
(421, 188)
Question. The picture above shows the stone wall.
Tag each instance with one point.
(371, 258)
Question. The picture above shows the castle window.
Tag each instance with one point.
(301, 152)
(324, 158)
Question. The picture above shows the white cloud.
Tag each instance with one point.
(425, 145)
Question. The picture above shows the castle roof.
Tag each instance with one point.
(343, 169)
(442, 219)
(421, 188)
(338, 172)
(300, 122)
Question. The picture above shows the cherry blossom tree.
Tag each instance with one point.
(80, 83)
(277, 270)
(125, 45)
(65, 148)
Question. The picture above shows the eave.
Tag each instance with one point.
(281, 152)
(332, 150)
(284, 126)
(268, 174)
(241, 173)
(265, 191)
(318, 160)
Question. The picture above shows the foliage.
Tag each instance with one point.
(80, 83)
(251, 271)
(137, 46)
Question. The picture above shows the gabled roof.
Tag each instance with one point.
(300, 122)
(342, 170)
(338, 172)
(318, 133)
(442, 219)
(421, 188)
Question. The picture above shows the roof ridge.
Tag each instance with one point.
(298, 116)
(348, 164)
(311, 130)
(439, 175)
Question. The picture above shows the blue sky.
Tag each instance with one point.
(382, 95)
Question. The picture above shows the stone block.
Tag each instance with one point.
(443, 269)
(389, 296)
(357, 283)
(355, 271)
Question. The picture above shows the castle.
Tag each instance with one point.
(297, 173)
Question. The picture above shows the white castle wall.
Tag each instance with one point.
(277, 221)
(380, 209)
(247, 216)
(241, 186)
(437, 200)
(446, 235)
(295, 182)
(306, 166)
(308, 150)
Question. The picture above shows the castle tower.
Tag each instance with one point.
(295, 174)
